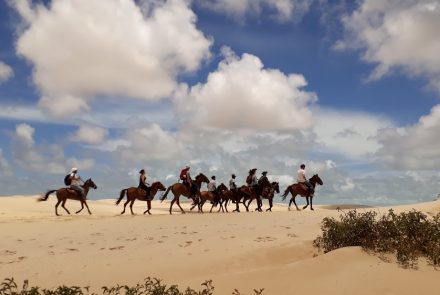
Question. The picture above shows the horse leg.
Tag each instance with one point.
(311, 203)
(294, 202)
(149, 208)
(87, 206)
(56, 207)
(125, 205)
(259, 204)
(171, 205)
(307, 199)
(82, 207)
(62, 205)
(226, 206)
(131, 207)
(178, 204)
(270, 205)
(210, 211)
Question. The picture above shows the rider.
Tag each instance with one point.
(263, 181)
(75, 183)
(186, 178)
(251, 179)
(303, 179)
(143, 185)
(232, 184)
(212, 186)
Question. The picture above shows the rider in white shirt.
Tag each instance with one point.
(212, 185)
(75, 183)
(301, 178)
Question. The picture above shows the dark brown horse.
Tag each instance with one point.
(65, 193)
(256, 193)
(179, 189)
(134, 193)
(300, 189)
(275, 188)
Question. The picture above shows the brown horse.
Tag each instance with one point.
(179, 189)
(134, 193)
(300, 189)
(256, 193)
(205, 196)
(225, 196)
(65, 193)
(275, 188)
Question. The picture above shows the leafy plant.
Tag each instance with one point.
(151, 286)
(409, 235)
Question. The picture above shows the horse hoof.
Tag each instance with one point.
(312, 209)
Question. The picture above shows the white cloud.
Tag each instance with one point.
(5, 169)
(108, 47)
(150, 143)
(414, 147)
(397, 34)
(284, 10)
(6, 72)
(243, 95)
(90, 134)
(38, 158)
(352, 134)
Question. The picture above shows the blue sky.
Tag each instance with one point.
(350, 89)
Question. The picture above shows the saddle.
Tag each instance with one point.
(303, 186)
(72, 191)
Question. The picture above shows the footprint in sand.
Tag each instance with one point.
(265, 239)
(72, 249)
(117, 248)
(50, 253)
(9, 252)
(187, 244)
(292, 235)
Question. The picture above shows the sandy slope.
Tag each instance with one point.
(237, 250)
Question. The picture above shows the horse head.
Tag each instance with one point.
(276, 186)
(158, 185)
(202, 178)
(89, 183)
(316, 179)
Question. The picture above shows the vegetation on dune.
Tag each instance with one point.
(408, 235)
(151, 286)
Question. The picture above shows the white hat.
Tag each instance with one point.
(73, 169)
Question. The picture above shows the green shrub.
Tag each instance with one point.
(151, 286)
(409, 235)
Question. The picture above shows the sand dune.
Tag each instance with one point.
(271, 250)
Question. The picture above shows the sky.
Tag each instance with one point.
(349, 88)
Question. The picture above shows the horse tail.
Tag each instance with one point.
(121, 196)
(46, 196)
(165, 194)
(286, 192)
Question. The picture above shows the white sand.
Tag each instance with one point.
(271, 250)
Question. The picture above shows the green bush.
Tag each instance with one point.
(409, 235)
(151, 286)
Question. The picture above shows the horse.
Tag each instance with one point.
(275, 187)
(205, 196)
(300, 189)
(256, 193)
(179, 189)
(65, 193)
(134, 193)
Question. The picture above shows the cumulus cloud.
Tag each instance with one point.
(413, 147)
(352, 134)
(396, 34)
(243, 95)
(6, 72)
(5, 169)
(90, 134)
(81, 50)
(37, 158)
(149, 144)
(283, 10)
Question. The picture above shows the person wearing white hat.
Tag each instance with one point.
(75, 182)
